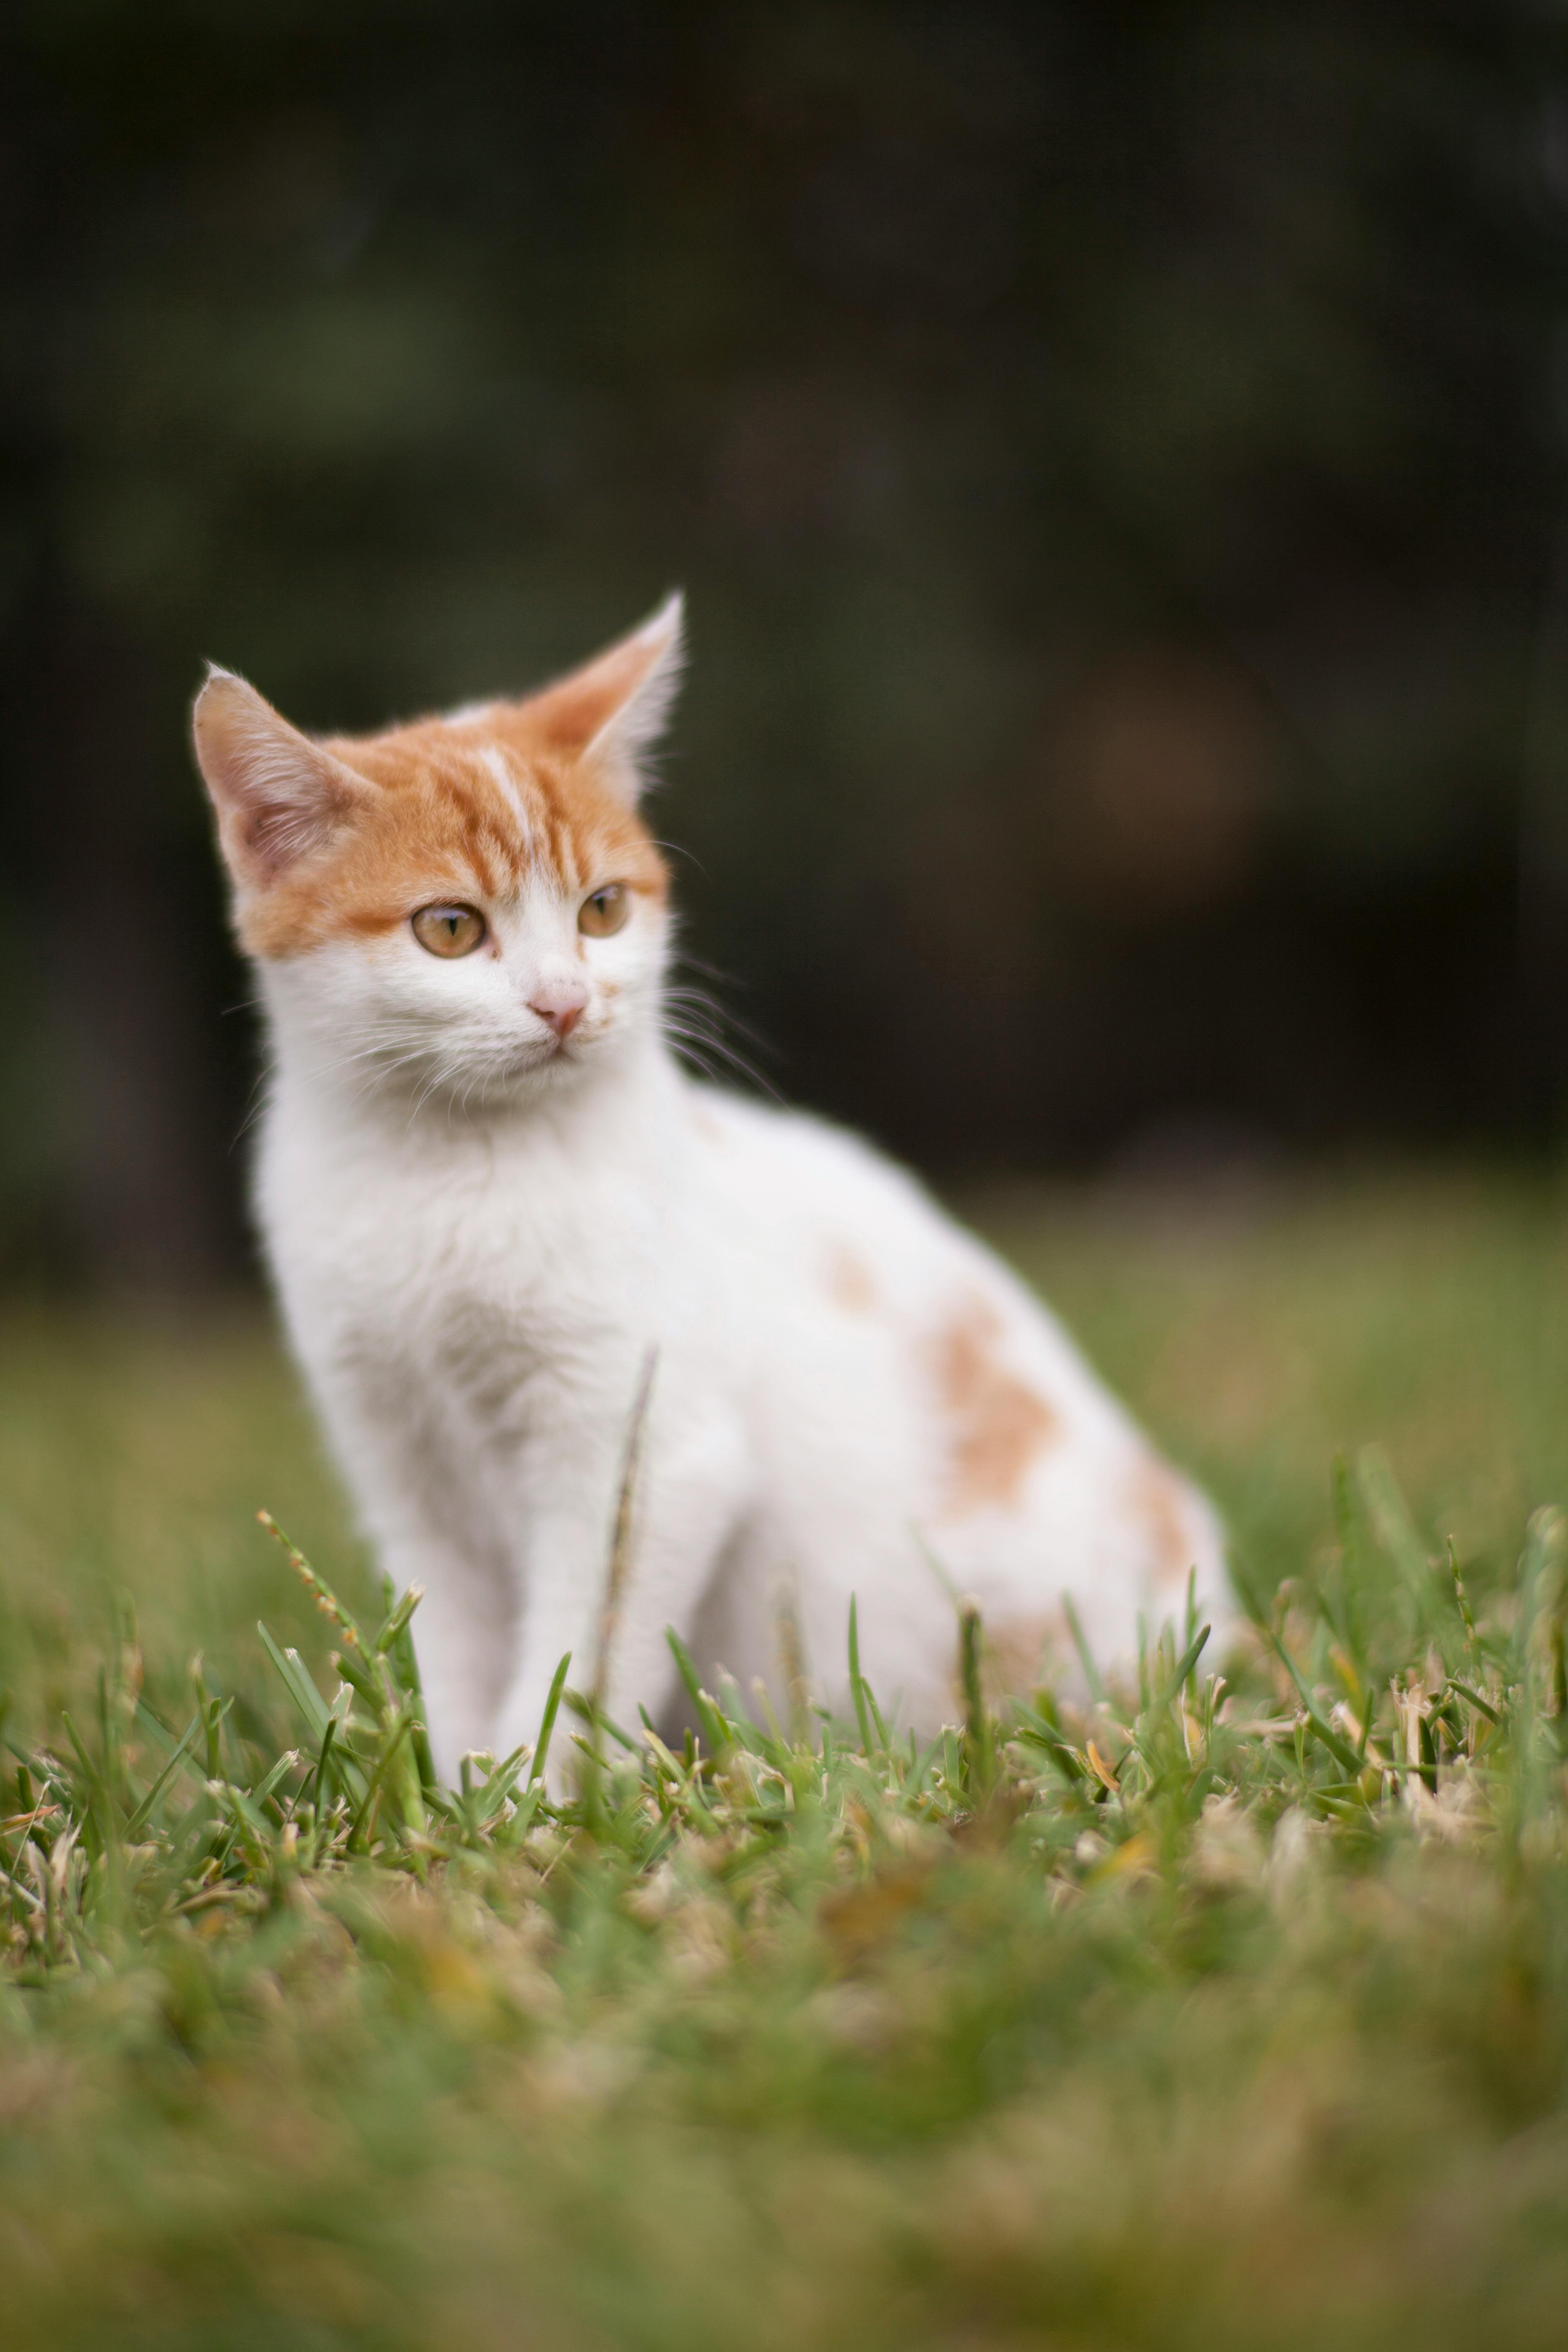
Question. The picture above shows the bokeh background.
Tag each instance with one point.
(1114, 453)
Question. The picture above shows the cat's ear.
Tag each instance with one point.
(278, 796)
(610, 712)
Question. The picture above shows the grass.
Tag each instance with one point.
(1231, 2013)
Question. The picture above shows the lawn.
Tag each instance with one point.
(1227, 2013)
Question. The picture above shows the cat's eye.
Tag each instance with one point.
(448, 930)
(605, 911)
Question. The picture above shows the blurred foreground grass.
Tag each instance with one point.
(1209, 2019)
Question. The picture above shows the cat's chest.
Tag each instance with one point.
(474, 1262)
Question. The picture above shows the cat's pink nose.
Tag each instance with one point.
(561, 1017)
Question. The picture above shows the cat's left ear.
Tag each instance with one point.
(278, 797)
(610, 713)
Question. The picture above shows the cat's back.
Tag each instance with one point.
(853, 1240)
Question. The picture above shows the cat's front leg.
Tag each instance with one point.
(690, 1497)
(462, 1636)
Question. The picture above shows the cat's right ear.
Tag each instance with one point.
(610, 712)
(278, 796)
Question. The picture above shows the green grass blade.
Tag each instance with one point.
(1085, 1655)
(547, 1723)
(143, 1811)
(857, 1685)
(1183, 1668)
(708, 1715)
(297, 1683)
(1340, 1749)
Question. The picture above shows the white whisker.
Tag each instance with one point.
(696, 1024)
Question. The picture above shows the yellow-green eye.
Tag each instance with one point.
(605, 911)
(448, 930)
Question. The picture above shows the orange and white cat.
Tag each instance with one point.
(488, 1189)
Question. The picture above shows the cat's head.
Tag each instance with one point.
(467, 908)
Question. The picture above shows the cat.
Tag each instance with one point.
(490, 1196)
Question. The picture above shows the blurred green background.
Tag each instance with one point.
(1114, 453)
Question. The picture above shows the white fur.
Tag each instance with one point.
(499, 767)
(477, 1238)
(623, 740)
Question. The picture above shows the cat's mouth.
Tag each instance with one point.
(552, 1053)
(577, 1046)
(504, 1066)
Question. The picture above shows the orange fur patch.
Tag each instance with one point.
(999, 1425)
(468, 809)
(849, 1282)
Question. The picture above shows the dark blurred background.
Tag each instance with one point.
(1115, 454)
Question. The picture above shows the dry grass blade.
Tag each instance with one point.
(620, 1561)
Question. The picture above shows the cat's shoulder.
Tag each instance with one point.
(778, 1131)
(808, 1157)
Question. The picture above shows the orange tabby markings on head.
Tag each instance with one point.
(348, 836)
(998, 1423)
(450, 811)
